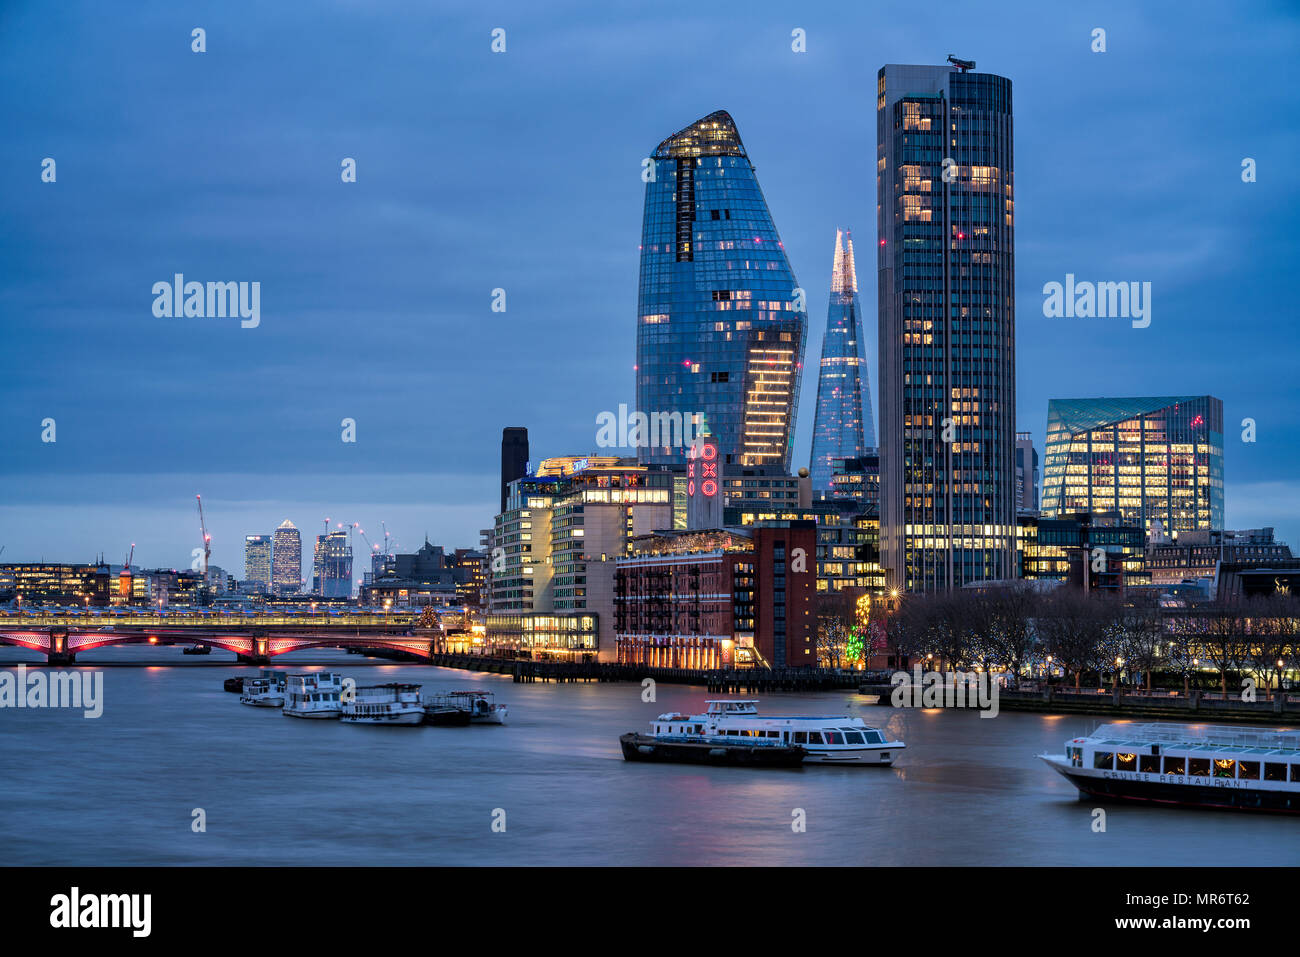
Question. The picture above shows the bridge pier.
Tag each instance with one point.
(59, 653)
(253, 659)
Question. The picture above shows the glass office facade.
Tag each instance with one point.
(720, 327)
(843, 427)
(1147, 459)
(946, 256)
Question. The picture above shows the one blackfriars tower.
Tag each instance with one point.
(946, 231)
(721, 324)
(843, 427)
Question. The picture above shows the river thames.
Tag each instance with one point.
(123, 788)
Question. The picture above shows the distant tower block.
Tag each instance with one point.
(514, 458)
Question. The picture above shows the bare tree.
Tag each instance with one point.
(1143, 634)
(1223, 638)
(1075, 627)
(1013, 608)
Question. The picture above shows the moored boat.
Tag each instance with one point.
(234, 685)
(1188, 765)
(197, 650)
(827, 740)
(384, 704)
(480, 705)
(261, 693)
(445, 716)
(697, 750)
(316, 694)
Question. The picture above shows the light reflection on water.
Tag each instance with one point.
(121, 789)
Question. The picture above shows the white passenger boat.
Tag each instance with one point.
(314, 695)
(481, 706)
(385, 704)
(262, 693)
(1195, 765)
(828, 740)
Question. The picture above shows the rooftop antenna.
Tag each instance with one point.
(960, 64)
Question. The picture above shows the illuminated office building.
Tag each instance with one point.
(946, 256)
(1146, 459)
(720, 327)
(257, 561)
(843, 427)
(554, 549)
(286, 560)
(38, 583)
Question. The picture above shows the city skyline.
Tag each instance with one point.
(441, 476)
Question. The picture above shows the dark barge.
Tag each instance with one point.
(645, 747)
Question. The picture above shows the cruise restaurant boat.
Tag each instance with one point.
(384, 704)
(1194, 765)
(824, 740)
(316, 694)
(262, 693)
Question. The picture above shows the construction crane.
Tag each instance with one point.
(131, 554)
(207, 539)
(373, 547)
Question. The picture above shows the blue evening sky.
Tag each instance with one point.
(521, 170)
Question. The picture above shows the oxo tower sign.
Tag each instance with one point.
(703, 484)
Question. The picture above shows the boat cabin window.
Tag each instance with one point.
(1225, 768)
(1295, 772)
(1175, 765)
(834, 737)
(1198, 767)
(815, 737)
(1126, 761)
(801, 737)
(1248, 770)
(1274, 772)
(853, 737)
(1103, 759)
(1149, 763)
(873, 737)
(1076, 756)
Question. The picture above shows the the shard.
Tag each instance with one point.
(843, 427)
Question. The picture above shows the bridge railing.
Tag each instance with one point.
(191, 617)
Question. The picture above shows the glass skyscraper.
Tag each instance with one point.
(286, 560)
(720, 326)
(946, 231)
(1158, 458)
(843, 427)
(257, 560)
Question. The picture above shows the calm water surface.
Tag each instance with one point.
(121, 789)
